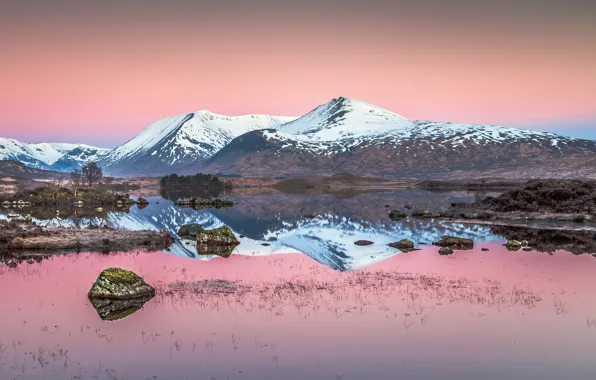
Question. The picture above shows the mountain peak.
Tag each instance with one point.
(344, 118)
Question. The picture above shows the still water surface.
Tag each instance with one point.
(311, 304)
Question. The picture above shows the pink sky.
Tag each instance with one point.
(99, 74)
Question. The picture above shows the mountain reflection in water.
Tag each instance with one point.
(494, 315)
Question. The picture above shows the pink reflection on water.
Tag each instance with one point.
(495, 314)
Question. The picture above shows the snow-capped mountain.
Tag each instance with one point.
(51, 156)
(177, 144)
(343, 135)
(347, 135)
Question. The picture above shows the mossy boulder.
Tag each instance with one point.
(363, 242)
(396, 215)
(222, 236)
(455, 242)
(120, 284)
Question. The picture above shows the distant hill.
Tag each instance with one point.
(19, 170)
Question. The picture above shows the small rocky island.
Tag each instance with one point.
(198, 203)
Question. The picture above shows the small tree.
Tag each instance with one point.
(92, 173)
(76, 180)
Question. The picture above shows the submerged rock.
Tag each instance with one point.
(445, 251)
(396, 215)
(363, 242)
(402, 244)
(112, 310)
(222, 236)
(423, 214)
(120, 284)
(455, 242)
(484, 249)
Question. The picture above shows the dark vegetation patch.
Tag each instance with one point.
(55, 195)
(175, 187)
(555, 196)
(549, 241)
(471, 185)
(556, 200)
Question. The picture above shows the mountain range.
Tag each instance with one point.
(50, 156)
(343, 135)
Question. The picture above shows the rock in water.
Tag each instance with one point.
(222, 236)
(224, 251)
(112, 310)
(514, 245)
(142, 201)
(120, 284)
(190, 230)
(402, 244)
(396, 215)
(363, 242)
(445, 251)
(422, 214)
(455, 242)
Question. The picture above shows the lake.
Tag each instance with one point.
(310, 304)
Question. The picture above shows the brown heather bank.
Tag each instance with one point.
(539, 200)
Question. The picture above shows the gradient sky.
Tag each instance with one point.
(100, 71)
